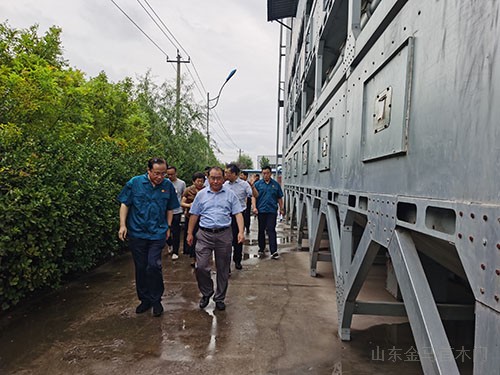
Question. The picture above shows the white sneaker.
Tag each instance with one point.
(275, 255)
(169, 249)
(175, 257)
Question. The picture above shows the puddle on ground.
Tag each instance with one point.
(90, 326)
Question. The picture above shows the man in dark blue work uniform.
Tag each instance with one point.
(267, 196)
(214, 207)
(146, 212)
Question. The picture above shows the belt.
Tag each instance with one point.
(214, 230)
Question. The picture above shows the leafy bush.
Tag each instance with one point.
(68, 144)
(58, 211)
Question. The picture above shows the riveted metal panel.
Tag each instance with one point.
(386, 96)
(412, 148)
(305, 157)
(324, 145)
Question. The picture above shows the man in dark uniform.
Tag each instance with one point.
(213, 207)
(265, 201)
(146, 212)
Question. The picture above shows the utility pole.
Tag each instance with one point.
(178, 90)
(281, 93)
(208, 126)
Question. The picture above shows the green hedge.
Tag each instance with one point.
(58, 210)
(67, 146)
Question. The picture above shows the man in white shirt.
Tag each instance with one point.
(175, 233)
(242, 190)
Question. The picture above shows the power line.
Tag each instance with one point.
(178, 45)
(196, 79)
(224, 130)
(156, 23)
(222, 139)
(141, 30)
(165, 26)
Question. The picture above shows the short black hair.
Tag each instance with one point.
(245, 173)
(233, 168)
(171, 167)
(154, 161)
(217, 169)
(266, 167)
(198, 175)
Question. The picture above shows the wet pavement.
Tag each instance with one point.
(278, 320)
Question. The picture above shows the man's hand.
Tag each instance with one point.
(241, 237)
(168, 233)
(122, 233)
(255, 211)
(189, 239)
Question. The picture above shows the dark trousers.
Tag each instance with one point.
(148, 273)
(267, 223)
(220, 244)
(190, 249)
(175, 234)
(247, 213)
(237, 247)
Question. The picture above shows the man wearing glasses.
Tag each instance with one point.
(146, 212)
(214, 207)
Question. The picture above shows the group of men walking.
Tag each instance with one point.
(217, 212)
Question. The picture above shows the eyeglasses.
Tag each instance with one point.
(215, 178)
(158, 174)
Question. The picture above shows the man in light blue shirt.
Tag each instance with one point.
(243, 191)
(213, 207)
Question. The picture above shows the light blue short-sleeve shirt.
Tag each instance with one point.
(215, 208)
(241, 189)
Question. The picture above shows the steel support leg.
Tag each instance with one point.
(428, 331)
(334, 238)
(487, 341)
(354, 277)
(314, 246)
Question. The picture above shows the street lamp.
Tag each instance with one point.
(209, 107)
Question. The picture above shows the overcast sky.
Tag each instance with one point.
(218, 35)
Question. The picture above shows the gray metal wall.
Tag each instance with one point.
(447, 128)
(405, 134)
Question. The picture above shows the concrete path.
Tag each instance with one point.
(278, 320)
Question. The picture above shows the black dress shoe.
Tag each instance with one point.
(238, 266)
(204, 301)
(220, 305)
(157, 309)
(142, 308)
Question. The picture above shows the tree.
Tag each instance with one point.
(244, 162)
(183, 144)
(68, 144)
(264, 162)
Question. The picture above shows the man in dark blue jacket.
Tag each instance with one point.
(267, 196)
(146, 212)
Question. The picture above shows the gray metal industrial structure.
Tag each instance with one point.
(391, 145)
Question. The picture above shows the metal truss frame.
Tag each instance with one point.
(316, 210)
